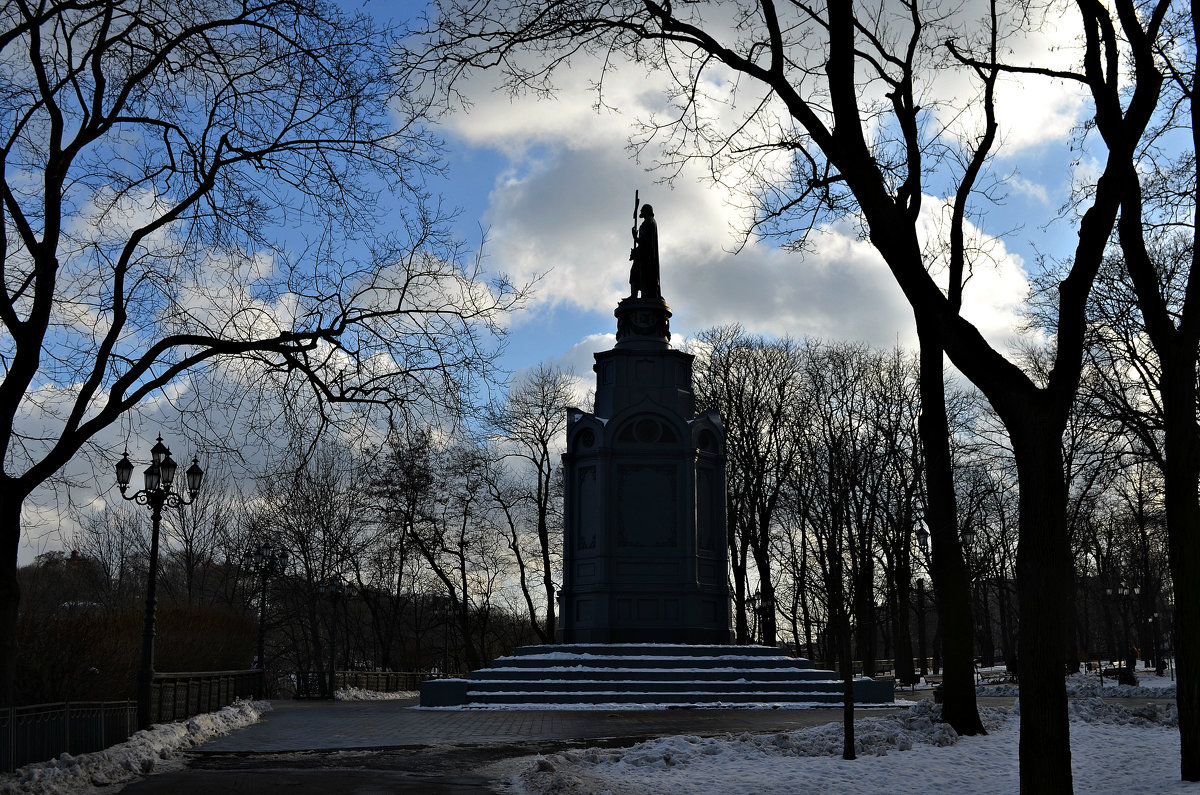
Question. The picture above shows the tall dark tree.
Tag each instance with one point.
(1158, 242)
(1145, 378)
(870, 155)
(896, 397)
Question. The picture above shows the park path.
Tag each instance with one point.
(342, 725)
(372, 747)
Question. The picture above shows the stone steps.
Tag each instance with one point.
(614, 673)
(647, 674)
(492, 686)
(657, 663)
(700, 697)
(673, 650)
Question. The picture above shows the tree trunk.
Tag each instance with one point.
(1071, 659)
(901, 605)
(1043, 569)
(766, 595)
(936, 653)
(10, 590)
(840, 619)
(808, 634)
(471, 649)
(923, 658)
(864, 610)
(318, 658)
(547, 575)
(1181, 472)
(737, 562)
(948, 570)
(984, 637)
(1006, 633)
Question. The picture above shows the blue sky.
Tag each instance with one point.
(552, 184)
(552, 181)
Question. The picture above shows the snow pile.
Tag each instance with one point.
(140, 755)
(1114, 750)
(698, 762)
(358, 694)
(1097, 710)
(1089, 686)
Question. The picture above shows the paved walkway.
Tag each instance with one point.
(362, 747)
(370, 747)
(297, 725)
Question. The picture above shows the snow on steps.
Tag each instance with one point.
(648, 674)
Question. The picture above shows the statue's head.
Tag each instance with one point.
(647, 211)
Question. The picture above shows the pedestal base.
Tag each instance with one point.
(654, 673)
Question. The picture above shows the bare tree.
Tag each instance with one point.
(319, 513)
(192, 184)
(896, 407)
(384, 581)
(433, 489)
(198, 542)
(113, 539)
(529, 426)
(1157, 234)
(848, 472)
(847, 91)
(1145, 377)
(756, 384)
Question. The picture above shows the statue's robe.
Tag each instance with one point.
(643, 276)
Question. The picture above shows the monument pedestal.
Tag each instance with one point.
(644, 552)
(644, 604)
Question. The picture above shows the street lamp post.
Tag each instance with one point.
(334, 590)
(159, 478)
(1159, 665)
(265, 561)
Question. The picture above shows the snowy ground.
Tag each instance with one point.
(1081, 685)
(150, 751)
(1115, 749)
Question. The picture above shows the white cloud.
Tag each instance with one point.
(1030, 110)
(570, 217)
(564, 206)
(1029, 189)
(579, 359)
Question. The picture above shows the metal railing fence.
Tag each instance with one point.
(178, 696)
(39, 732)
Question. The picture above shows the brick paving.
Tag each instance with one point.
(369, 747)
(309, 725)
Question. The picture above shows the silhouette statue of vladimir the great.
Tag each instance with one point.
(643, 275)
